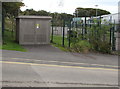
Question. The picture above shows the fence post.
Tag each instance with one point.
(100, 21)
(85, 25)
(52, 33)
(3, 22)
(76, 26)
(82, 32)
(63, 33)
(90, 22)
(69, 35)
(97, 31)
(113, 37)
(110, 36)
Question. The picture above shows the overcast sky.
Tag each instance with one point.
(68, 6)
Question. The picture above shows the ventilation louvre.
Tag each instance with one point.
(29, 38)
(41, 38)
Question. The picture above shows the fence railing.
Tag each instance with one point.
(89, 30)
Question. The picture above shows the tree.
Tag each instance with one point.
(88, 12)
(29, 12)
(37, 13)
(10, 10)
(56, 17)
(43, 13)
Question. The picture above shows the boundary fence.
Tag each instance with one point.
(84, 29)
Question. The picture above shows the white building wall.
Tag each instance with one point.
(59, 30)
(111, 17)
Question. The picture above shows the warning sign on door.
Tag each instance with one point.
(37, 25)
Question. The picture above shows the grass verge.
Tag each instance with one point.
(60, 47)
(57, 39)
(57, 42)
(9, 42)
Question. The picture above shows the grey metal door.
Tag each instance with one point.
(27, 31)
(41, 32)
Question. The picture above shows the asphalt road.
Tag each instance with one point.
(47, 66)
(48, 53)
(18, 74)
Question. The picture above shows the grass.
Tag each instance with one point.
(60, 47)
(10, 44)
(57, 42)
(57, 39)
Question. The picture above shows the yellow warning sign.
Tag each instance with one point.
(37, 25)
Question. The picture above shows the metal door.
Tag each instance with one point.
(42, 32)
(27, 31)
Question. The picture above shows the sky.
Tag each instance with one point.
(69, 6)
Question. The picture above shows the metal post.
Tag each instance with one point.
(52, 33)
(76, 17)
(82, 32)
(97, 34)
(90, 22)
(63, 33)
(100, 22)
(85, 26)
(76, 25)
(110, 31)
(113, 37)
(3, 22)
(110, 36)
(0, 23)
(69, 35)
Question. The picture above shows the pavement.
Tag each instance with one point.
(47, 54)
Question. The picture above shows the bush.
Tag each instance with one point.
(72, 33)
(81, 46)
(104, 47)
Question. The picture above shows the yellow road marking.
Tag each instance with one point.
(73, 63)
(49, 65)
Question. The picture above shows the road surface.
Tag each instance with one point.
(19, 74)
(47, 66)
